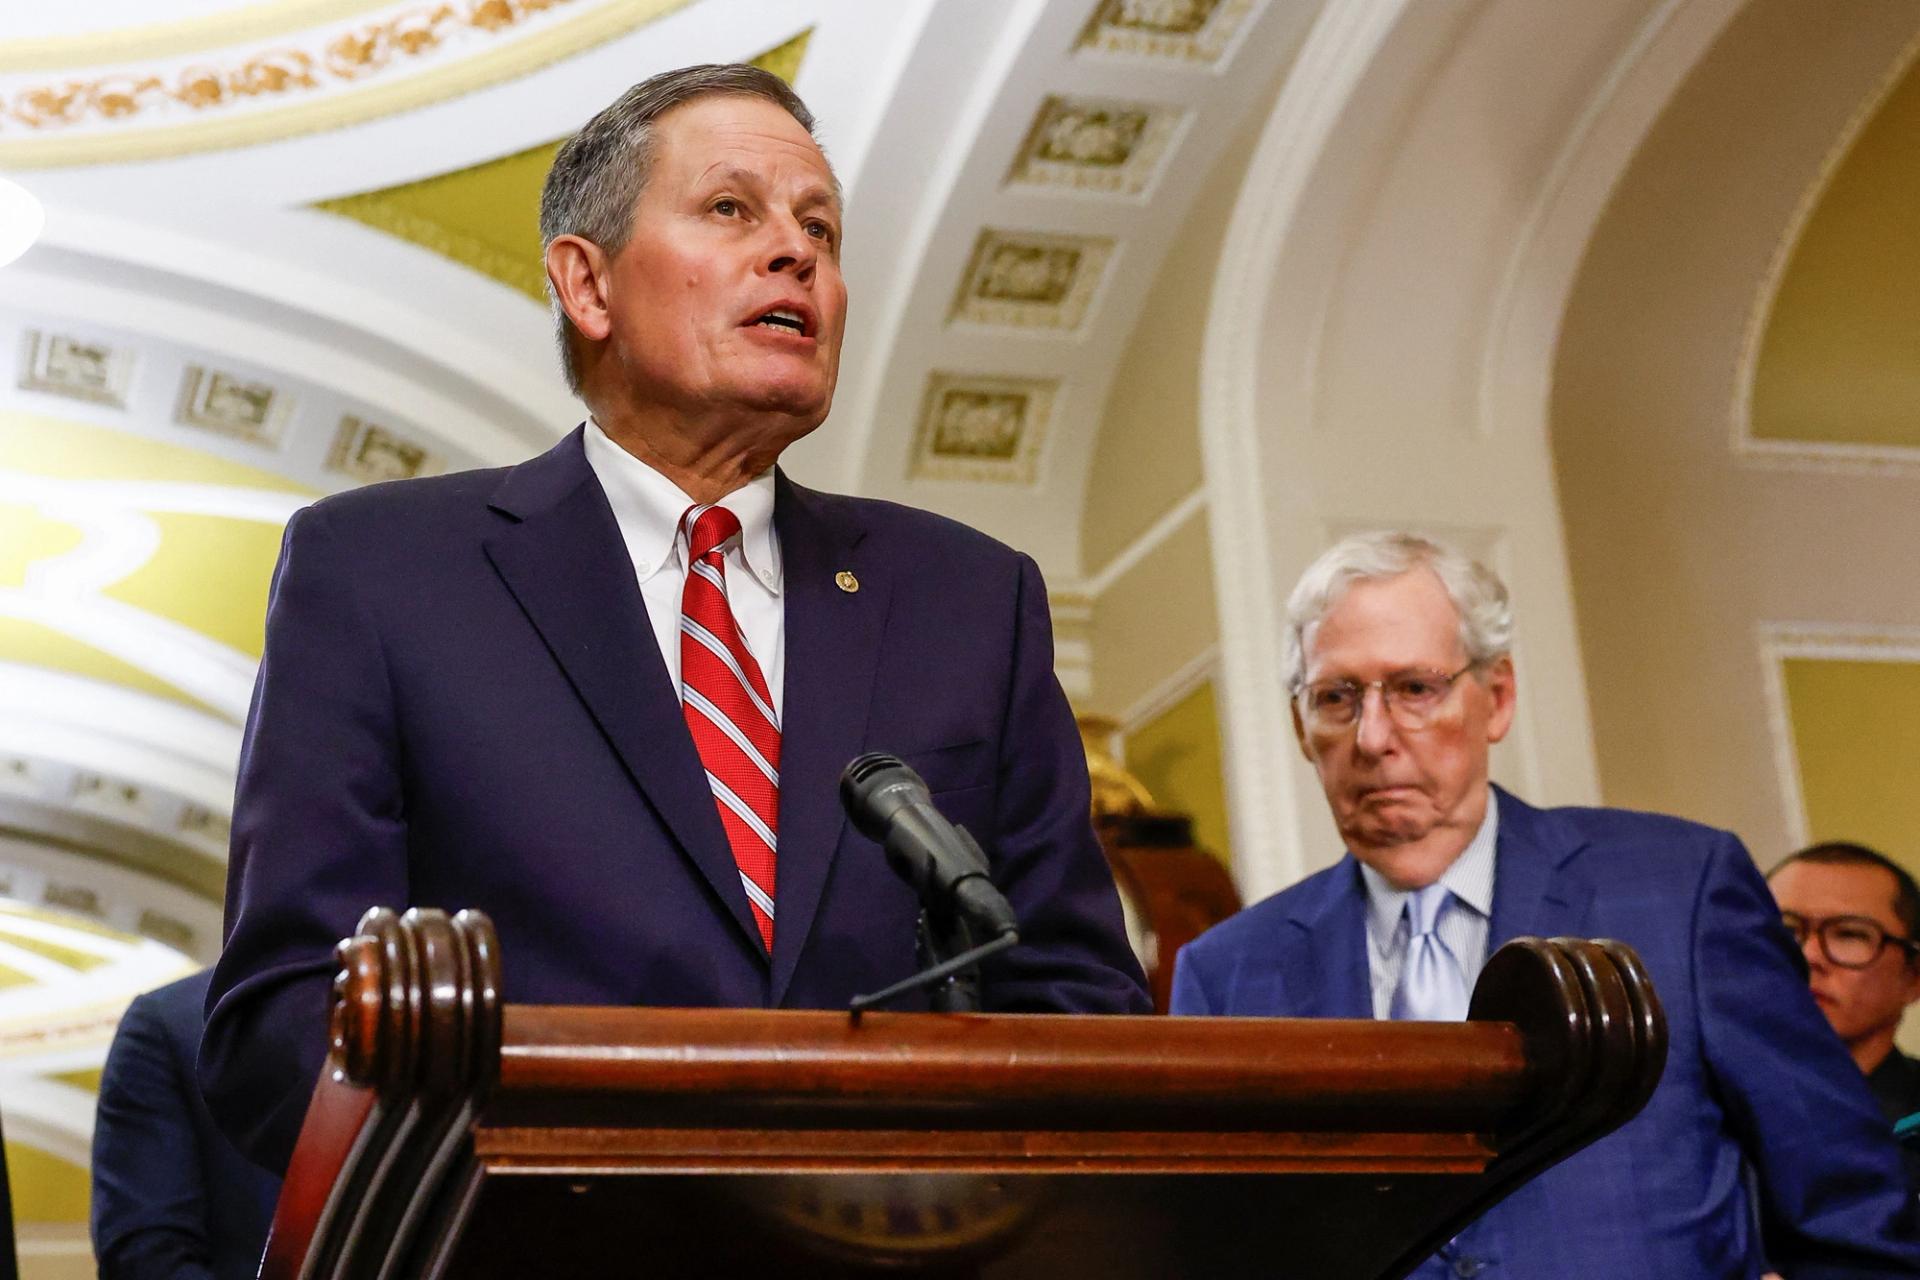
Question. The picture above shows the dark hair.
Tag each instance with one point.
(1843, 853)
(597, 177)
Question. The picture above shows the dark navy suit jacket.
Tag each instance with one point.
(1754, 1074)
(462, 704)
(172, 1199)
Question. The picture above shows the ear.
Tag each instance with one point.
(1501, 686)
(578, 270)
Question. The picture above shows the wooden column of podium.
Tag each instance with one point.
(453, 1136)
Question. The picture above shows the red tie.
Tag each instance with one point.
(729, 710)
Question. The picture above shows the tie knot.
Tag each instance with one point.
(707, 528)
(1424, 908)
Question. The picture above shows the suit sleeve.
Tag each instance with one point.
(1833, 1197)
(1073, 955)
(319, 835)
(149, 1194)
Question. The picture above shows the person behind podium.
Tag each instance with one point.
(605, 696)
(1397, 650)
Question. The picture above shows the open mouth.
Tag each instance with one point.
(784, 319)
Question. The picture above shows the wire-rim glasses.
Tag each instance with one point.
(1411, 698)
(1852, 942)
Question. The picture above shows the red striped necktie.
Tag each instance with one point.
(729, 711)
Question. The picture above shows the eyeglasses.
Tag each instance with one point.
(1852, 942)
(1411, 698)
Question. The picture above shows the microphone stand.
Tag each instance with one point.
(950, 966)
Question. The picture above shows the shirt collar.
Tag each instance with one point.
(1469, 876)
(648, 506)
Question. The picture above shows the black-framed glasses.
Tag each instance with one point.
(1852, 942)
(1411, 698)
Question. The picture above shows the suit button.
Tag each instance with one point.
(1466, 1267)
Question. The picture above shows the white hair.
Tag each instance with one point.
(1478, 595)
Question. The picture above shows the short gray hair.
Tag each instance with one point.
(598, 175)
(1478, 595)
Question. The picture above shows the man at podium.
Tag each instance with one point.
(606, 695)
(1397, 650)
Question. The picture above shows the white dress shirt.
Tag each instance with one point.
(647, 506)
(1463, 929)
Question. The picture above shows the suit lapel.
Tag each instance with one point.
(1538, 888)
(1332, 952)
(563, 559)
(833, 649)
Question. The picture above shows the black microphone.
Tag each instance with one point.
(889, 803)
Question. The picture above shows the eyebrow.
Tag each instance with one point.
(733, 174)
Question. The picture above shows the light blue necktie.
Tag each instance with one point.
(1432, 988)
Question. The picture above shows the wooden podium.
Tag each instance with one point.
(450, 1135)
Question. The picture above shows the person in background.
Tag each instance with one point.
(1398, 652)
(172, 1199)
(1856, 915)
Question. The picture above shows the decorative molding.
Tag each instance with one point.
(1264, 807)
(256, 21)
(1780, 641)
(982, 428)
(355, 54)
(1073, 643)
(1143, 546)
(1201, 668)
(1096, 145)
(1810, 455)
(368, 453)
(61, 365)
(1031, 280)
(221, 106)
(1196, 31)
(215, 400)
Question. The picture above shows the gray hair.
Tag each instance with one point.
(1478, 595)
(598, 175)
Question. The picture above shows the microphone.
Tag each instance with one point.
(889, 803)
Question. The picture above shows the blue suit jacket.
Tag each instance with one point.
(1754, 1074)
(172, 1199)
(462, 704)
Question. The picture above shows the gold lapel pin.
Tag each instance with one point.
(846, 581)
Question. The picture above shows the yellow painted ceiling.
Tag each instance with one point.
(208, 573)
(35, 444)
(487, 217)
(45, 1187)
(1840, 360)
(1856, 735)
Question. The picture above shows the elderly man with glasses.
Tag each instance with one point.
(1855, 913)
(1398, 652)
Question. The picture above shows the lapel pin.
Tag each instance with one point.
(846, 581)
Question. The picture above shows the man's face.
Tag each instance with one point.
(1860, 1003)
(738, 221)
(1406, 800)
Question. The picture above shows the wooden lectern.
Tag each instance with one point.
(450, 1135)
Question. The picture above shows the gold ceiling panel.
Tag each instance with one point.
(207, 573)
(1839, 363)
(210, 574)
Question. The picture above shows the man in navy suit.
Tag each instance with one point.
(510, 690)
(172, 1199)
(1397, 650)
